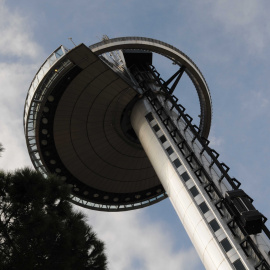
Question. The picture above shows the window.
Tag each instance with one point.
(149, 117)
(58, 53)
(226, 244)
(163, 139)
(156, 128)
(177, 163)
(204, 207)
(194, 191)
(214, 225)
(185, 176)
(169, 150)
(239, 265)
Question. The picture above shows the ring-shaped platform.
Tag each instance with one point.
(176, 56)
(69, 125)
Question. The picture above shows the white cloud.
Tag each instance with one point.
(244, 19)
(215, 142)
(223, 29)
(14, 83)
(15, 78)
(235, 13)
(135, 242)
(255, 104)
(16, 38)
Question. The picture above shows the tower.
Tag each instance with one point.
(104, 120)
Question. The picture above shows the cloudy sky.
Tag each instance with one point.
(229, 42)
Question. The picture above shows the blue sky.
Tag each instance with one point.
(229, 42)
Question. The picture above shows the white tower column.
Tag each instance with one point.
(210, 235)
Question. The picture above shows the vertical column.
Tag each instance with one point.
(208, 232)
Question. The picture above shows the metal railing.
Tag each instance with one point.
(37, 90)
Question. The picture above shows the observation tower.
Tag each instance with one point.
(104, 119)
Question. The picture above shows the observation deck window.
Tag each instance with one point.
(149, 117)
(239, 265)
(203, 206)
(156, 128)
(194, 191)
(177, 163)
(163, 139)
(214, 225)
(185, 176)
(226, 244)
(169, 150)
(59, 53)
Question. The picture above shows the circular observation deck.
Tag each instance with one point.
(74, 120)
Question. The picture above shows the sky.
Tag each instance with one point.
(227, 39)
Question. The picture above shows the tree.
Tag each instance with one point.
(1, 148)
(40, 230)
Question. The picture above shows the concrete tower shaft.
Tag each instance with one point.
(217, 247)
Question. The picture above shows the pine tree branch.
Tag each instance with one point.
(6, 235)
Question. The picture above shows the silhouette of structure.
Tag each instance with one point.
(104, 120)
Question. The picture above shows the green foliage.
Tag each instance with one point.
(1, 148)
(39, 229)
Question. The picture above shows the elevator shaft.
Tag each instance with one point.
(198, 185)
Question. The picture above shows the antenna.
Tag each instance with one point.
(72, 41)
